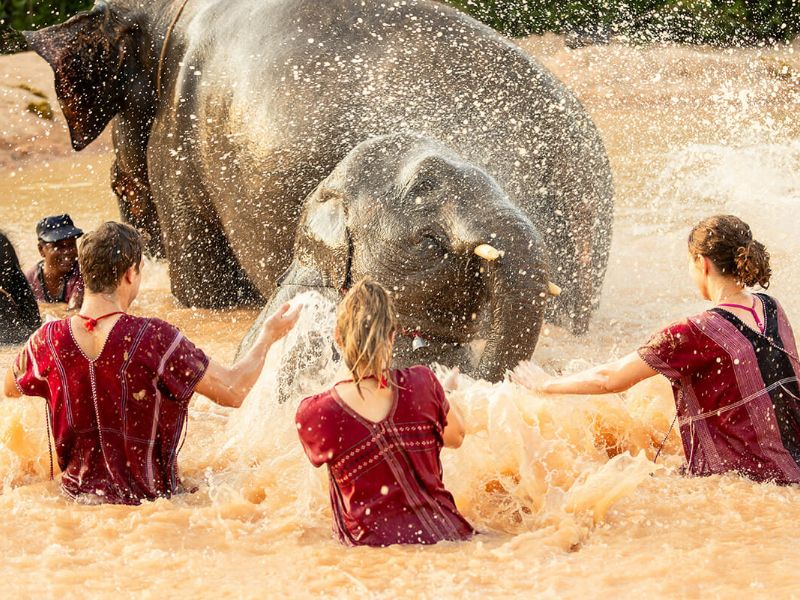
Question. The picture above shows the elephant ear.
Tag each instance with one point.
(322, 246)
(87, 54)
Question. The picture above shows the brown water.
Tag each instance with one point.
(563, 488)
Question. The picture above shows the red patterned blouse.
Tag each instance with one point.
(386, 477)
(117, 419)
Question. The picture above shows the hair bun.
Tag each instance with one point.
(728, 243)
(752, 264)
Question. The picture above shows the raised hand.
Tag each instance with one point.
(281, 321)
(531, 375)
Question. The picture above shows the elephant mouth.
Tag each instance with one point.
(431, 333)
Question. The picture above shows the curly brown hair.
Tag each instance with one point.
(728, 243)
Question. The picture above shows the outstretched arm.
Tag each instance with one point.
(10, 387)
(616, 376)
(228, 386)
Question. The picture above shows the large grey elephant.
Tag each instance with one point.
(19, 312)
(462, 259)
(227, 114)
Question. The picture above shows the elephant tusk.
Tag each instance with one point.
(487, 252)
(553, 289)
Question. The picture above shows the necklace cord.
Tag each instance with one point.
(91, 323)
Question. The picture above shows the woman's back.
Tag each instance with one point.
(385, 474)
(370, 400)
(734, 368)
(736, 391)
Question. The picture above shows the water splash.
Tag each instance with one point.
(529, 463)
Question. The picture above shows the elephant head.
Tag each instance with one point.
(441, 235)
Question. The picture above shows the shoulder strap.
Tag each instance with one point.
(768, 340)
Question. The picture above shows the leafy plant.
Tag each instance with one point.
(719, 22)
(32, 14)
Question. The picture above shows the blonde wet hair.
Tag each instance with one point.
(366, 324)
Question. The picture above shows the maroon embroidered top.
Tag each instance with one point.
(385, 477)
(116, 420)
(71, 291)
(736, 392)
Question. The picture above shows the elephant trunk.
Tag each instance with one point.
(515, 276)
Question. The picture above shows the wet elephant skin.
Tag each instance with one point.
(259, 100)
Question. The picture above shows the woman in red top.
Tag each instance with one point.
(380, 431)
(734, 368)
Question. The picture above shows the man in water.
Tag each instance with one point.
(57, 278)
(118, 386)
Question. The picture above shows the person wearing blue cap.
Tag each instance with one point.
(57, 277)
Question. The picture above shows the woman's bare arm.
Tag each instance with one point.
(10, 387)
(228, 386)
(616, 376)
(453, 435)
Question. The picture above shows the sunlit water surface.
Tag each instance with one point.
(563, 489)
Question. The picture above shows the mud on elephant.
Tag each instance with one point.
(462, 260)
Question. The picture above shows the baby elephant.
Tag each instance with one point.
(19, 313)
(461, 260)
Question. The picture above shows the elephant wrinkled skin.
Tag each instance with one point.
(260, 99)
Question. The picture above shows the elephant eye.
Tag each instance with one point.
(430, 243)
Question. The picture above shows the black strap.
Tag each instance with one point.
(49, 435)
(666, 437)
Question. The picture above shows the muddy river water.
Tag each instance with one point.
(563, 489)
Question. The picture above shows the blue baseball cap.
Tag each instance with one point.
(57, 228)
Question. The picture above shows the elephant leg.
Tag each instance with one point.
(130, 179)
(584, 285)
(136, 205)
(566, 272)
(574, 307)
(204, 272)
(591, 242)
(579, 255)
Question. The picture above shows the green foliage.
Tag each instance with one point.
(719, 22)
(33, 14)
